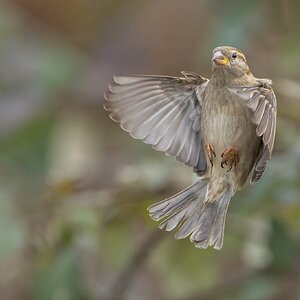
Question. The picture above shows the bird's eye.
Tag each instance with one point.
(233, 55)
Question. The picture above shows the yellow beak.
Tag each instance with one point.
(220, 59)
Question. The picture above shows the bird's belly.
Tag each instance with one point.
(228, 124)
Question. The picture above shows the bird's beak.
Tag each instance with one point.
(220, 59)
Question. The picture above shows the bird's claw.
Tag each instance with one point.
(230, 157)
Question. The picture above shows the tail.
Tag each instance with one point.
(199, 210)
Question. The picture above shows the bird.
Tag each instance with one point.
(223, 128)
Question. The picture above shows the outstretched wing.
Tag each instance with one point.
(261, 101)
(163, 111)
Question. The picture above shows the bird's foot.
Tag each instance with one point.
(210, 152)
(230, 157)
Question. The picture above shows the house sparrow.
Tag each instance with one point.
(222, 127)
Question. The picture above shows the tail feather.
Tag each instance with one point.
(211, 224)
(203, 220)
(219, 225)
(177, 202)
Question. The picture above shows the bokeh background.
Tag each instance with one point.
(74, 187)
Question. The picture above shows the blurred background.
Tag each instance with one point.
(74, 187)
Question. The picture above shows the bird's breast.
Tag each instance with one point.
(226, 122)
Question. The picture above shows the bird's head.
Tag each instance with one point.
(229, 62)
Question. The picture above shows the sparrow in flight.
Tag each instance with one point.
(222, 127)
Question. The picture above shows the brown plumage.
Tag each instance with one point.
(224, 128)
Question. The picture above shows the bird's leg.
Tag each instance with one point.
(230, 157)
(210, 152)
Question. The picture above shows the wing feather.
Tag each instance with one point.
(258, 113)
(261, 100)
(163, 111)
(264, 122)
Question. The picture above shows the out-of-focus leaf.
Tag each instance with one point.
(260, 288)
(28, 146)
(185, 271)
(56, 68)
(61, 280)
(281, 246)
(11, 229)
(116, 244)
